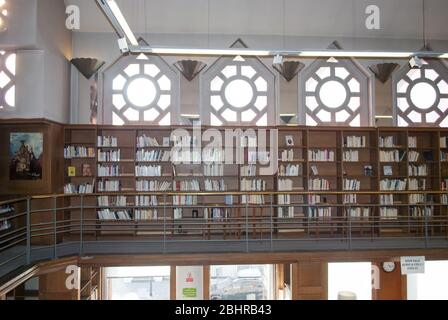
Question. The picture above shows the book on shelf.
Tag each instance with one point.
(387, 142)
(248, 141)
(350, 156)
(387, 199)
(314, 170)
(158, 155)
(188, 156)
(413, 156)
(443, 156)
(146, 201)
(144, 141)
(253, 185)
(107, 141)
(186, 185)
(387, 213)
(86, 170)
(285, 212)
(185, 141)
(358, 212)
(285, 185)
(418, 212)
(146, 214)
(412, 142)
(289, 141)
(420, 170)
(214, 185)
(319, 184)
(248, 170)
(321, 155)
(393, 184)
(355, 142)
(444, 199)
(392, 156)
(212, 155)
(177, 213)
(109, 186)
(108, 170)
(418, 198)
(387, 170)
(213, 170)
(85, 188)
(443, 142)
(352, 185)
(107, 214)
(6, 209)
(319, 212)
(315, 199)
(109, 156)
(260, 156)
(185, 200)
(368, 170)
(216, 213)
(350, 198)
(417, 184)
(152, 185)
(148, 171)
(71, 171)
(290, 170)
(107, 201)
(287, 155)
(78, 152)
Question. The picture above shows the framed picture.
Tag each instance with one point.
(25, 155)
(289, 141)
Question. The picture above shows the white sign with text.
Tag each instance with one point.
(412, 265)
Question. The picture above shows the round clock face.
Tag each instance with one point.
(388, 266)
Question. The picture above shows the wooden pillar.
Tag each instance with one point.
(206, 282)
(173, 283)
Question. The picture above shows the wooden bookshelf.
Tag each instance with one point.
(359, 165)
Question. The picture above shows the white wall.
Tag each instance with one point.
(354, 277)
(432, 285)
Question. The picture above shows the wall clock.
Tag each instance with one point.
(389, 266)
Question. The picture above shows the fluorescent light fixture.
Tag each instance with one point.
(190, 115)
(116, 18)
(384, 117)
(202, 52)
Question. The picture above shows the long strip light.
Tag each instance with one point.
(118, 21)
(116, 18)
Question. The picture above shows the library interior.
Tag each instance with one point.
(223, 150)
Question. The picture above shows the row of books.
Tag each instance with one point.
(186, 200)
(413, 156)
(108, 170)
(319, 184)
(146, 214)
(284, 199)
(107, 141)
(110, 155)
(290, 170)
(80, 189)
(393, 184)
(186, 156)
(146, 201)
(6, 209)
(185, 141)
(420, 170)
(314, 199)
(443, 142)
(260, 156)
(248, 171)
(186, 185)
(148, 171)
(412, 142)
(421, 211)
(321, 155)
(387, 199)
(78, 152)
(107, 214)
(215, 185)
(350, 156)
(144, 141)
(417, 198)
(252, 199)
(285, 185)
(350, 198)
(285, 212)
(287, 155)
(388, 213)
(153, 155)
(108, 186)
(106, 201)
(253, 185)
(358, 212)
(319, 212)
(391, 156)
(216, 213)
(352, 184)
(355, 142)
(417, 184)
(386, 142)
(152, 185)
(213, 170)
(5, 225)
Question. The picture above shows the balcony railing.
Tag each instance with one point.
(53, 226)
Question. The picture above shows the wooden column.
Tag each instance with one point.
(310, 281)
(52, 286)
(206, 282)
(393, 285)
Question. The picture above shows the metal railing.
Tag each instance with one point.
(52, 226)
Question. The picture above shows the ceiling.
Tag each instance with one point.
(316, 18)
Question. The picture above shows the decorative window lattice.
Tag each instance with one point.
(141, 90)
(7, 80)
(335, 93)
(422, 95)
(238, 91)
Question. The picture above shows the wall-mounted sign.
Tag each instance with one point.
(410, 265)
(189, 283)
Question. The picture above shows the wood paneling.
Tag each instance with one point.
(52, 287)
(393, 285)
(309, 281)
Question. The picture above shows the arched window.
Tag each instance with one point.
(421, 95)
(7, 80)
(141, 89)
(335, 92)
(238, 91)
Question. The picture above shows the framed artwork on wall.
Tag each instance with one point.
(25, 155)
